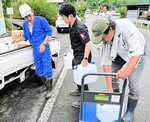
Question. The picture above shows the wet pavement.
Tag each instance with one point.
(21, 102)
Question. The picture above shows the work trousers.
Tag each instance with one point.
(133, 79)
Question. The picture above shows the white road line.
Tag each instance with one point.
(50, 102)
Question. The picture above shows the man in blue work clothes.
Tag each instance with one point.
(37, 30)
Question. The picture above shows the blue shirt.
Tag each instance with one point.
(40, 30)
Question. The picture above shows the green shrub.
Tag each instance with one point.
(9, 26)
(122, 11)
(40, 7)
(15, 5)
(5, 3)
(81, 7)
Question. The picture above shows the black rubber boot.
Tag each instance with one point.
(129, 115)
(49, 82)
(43, 87)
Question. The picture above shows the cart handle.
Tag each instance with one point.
(100, 74)
(103, 74)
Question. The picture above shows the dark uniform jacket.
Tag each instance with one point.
(79, 37)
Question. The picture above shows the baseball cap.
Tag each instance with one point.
(25, 10)
(99, 26)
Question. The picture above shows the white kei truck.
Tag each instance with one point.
(16, 63)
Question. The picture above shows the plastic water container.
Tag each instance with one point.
(79, 71)
(11, 46)
(3, 47)
(107, 112)
(68, 60)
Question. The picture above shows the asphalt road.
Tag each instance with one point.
(22, 103)
(62, 110)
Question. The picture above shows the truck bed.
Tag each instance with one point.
(22, 58)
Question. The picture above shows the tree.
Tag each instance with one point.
(5, 3)
(40, 7)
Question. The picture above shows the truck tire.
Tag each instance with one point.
(31, 74)
(38, 80)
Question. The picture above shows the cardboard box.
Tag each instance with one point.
(22, 44)
(17, 34)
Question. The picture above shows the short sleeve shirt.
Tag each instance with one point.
(79, 37)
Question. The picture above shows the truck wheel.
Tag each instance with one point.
(29, 73)
(38, 80)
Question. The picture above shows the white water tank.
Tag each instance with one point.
(79, 71)
(108, 112)
(10, 45)
(3, 47)
(7, 46)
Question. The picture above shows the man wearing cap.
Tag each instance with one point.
(37, 30)
(121, 43)
(80, 42)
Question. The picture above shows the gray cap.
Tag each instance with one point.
(99, 26)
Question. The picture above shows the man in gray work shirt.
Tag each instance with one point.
(121, 43)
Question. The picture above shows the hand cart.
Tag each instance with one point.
(90, 101)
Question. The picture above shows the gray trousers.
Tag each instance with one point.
(133, 79)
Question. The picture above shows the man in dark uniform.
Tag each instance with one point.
(80, 42)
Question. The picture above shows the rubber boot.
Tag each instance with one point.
(129, 115)
(43, 87)
(49, 82)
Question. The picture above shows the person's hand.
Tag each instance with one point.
(42, 47)
(14, 40)
(123, 74)
(110, 89)
(84, 62)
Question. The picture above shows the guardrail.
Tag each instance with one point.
(141, 22)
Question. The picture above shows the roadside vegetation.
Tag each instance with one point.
(81, 7)
(40, 7)
(50, 10)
